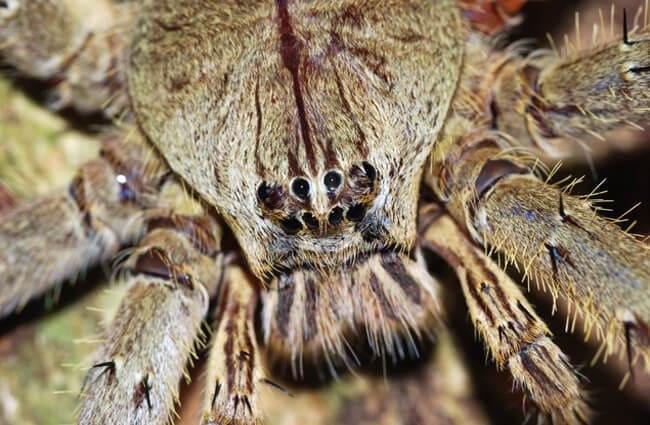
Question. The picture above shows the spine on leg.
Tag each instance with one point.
(138, 368)
(515, 336)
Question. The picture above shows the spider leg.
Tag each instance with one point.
(234, 370)
(77, 46)
(545, 100)
(562, 244)
(514, 335)
(137, 369)
(50, 239)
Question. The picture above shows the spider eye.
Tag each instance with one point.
(310, 220)
(356, 212)
(263, 191)
(291, 225)
(300, 188)
(336, 216)
(371, 173)
(8, 8)
(332, 180)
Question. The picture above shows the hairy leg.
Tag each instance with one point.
(602, 272)
(137, 370)
(515, 336)
(559, 103)
(77, 46)
(234, 370)
(49, 239)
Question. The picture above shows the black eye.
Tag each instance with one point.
(310, 220)
(291, 225)
(356, 212)
(336, 216)
(332, 180)
(263, 191)
(370, 170)
(300, 188)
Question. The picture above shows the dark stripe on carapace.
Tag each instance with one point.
(290, 48)
(360, 142)
(398, 272)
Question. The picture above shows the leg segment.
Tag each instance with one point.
(234, 370)
(544, 100)
(49, 239)
(515, 336)
(77, 45)
(137, 370)
(603, 273)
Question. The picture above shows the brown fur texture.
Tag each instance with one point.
(271, 156)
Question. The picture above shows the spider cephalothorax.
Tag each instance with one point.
(281, 166)
(322, 89)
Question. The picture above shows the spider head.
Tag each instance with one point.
(336, 216)
(306, 131)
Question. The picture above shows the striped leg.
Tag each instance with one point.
(602, 272)
(234, 370)
(515, 336)
(544, 100)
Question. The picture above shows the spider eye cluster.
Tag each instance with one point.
(342, 198)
